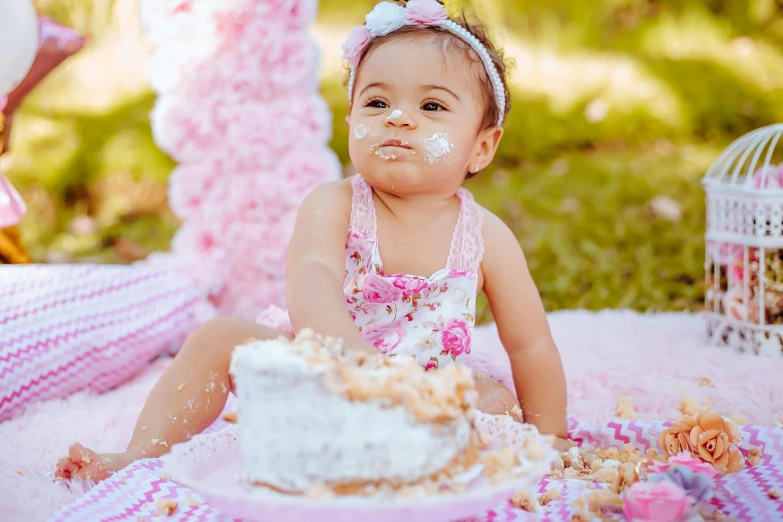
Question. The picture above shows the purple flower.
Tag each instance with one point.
(698, 486)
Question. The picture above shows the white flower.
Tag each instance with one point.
(427, 344)
(457, 296)
(385, 18)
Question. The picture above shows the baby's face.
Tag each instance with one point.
(414, 122)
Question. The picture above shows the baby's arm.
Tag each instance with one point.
(522, 324)
(315, 266)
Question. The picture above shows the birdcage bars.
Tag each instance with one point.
(744, 254)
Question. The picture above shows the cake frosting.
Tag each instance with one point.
(311, 415)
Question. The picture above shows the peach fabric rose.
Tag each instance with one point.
(714, 439)
(676, 438)
(709, 437)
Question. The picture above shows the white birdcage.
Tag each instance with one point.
(744, 262)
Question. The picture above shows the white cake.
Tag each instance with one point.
(311, 416)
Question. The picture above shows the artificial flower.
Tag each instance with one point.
(676, 438)
(714, 439)
(355, 43)
(685, 459)
(698, 486)
(424, 12)
(385, 18)
(655, 502)
(771, 176)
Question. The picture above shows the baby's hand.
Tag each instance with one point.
(85, 464)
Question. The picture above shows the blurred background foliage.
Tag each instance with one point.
(619, 107)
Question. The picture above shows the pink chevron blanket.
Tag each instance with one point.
(655, 361)
(745, 495)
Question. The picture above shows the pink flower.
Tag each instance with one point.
(655, 502)
(424, 12)
(456, 337)
(686, 459)
(385, 337)
(380, 291)
(410, 285)
(355, 43)
(432, 364)
(773, 178)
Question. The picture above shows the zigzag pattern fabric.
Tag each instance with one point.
(132, 493)
(82, 327)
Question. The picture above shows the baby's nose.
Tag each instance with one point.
(400, 118)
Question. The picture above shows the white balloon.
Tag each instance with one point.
(18, 42)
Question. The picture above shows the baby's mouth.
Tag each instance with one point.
(396, 143)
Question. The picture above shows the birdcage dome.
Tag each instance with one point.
(744, 188)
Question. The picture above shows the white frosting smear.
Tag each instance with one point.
(437, 147)
(396, 113)
(361, 131)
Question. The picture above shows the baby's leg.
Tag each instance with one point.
(186, 399)
(494, 398)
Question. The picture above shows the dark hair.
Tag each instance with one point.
(477, 29)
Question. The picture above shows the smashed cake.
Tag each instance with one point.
(313, 415)
(318, 420)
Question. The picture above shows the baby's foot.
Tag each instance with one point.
(85, 464)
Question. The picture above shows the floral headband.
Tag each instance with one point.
(387, 17)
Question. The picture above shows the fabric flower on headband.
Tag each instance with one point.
(425, 12)
(386, 18)
(354, 45)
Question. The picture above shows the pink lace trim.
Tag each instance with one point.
(467, 248)
(362, 208)
(467, 245)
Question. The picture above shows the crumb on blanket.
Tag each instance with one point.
(690, 406)
(166, 506)
(526, 501)
(625, 408)
(550, 495)
(774, 494)
(705, 383)
(754, 455)
(230, 416)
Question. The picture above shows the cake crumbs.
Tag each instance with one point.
(778, 423)
(143, 428)
(191, 502)
(704, 382)
(230, 416)
(181, 386)
(754, 456)
(166, 506)
(625, 408)
(164, 476)
(550, 495)
(525, 501)
(738, 418)
(18, 472)
(690, 406)
(516, 413)
(774, 494)
(86, 458)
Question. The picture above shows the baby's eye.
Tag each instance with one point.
(432, 106)
(376, 104)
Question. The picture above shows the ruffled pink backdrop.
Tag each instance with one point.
(238, 108)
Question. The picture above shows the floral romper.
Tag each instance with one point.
(430, 318)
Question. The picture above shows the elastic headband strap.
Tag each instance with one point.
(387, 17)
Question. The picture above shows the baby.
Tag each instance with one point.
(393, 258)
